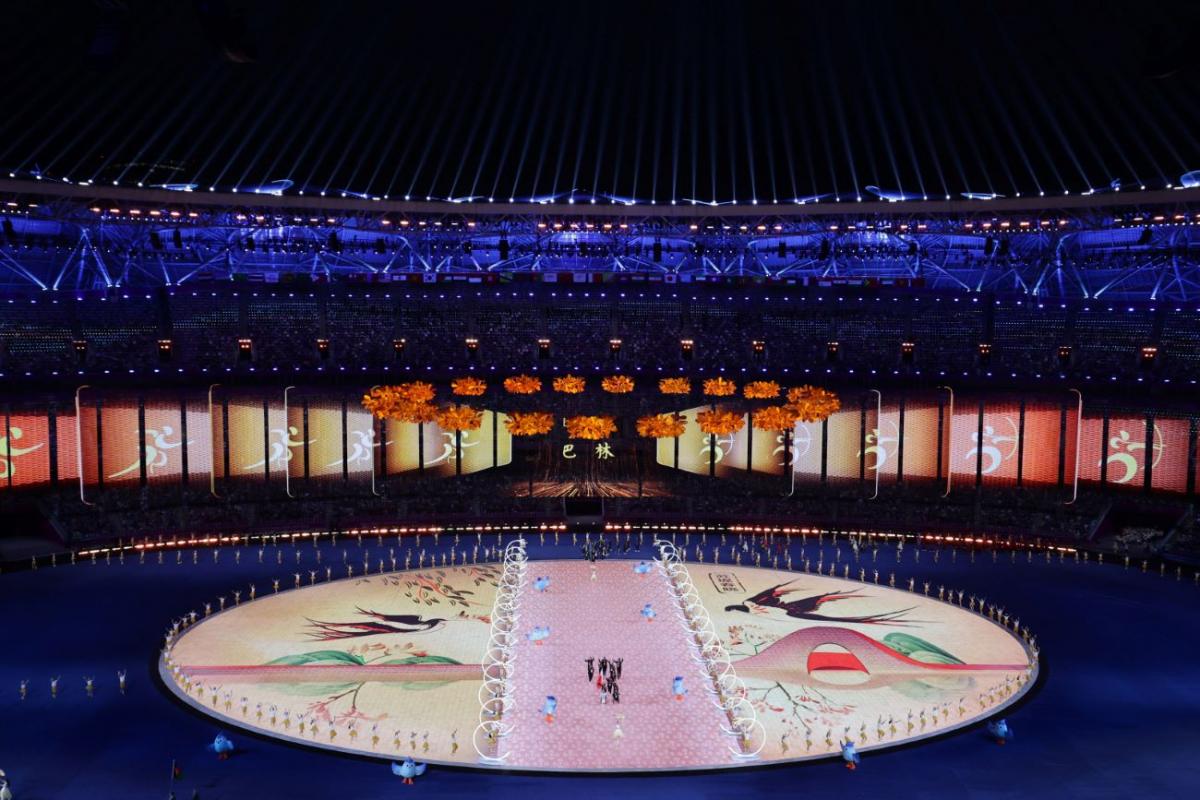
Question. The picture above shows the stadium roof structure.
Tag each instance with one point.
(1140, 245)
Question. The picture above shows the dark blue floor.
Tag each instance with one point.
(1116, 715)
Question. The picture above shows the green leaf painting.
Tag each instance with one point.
(918, 649)
(318, 657)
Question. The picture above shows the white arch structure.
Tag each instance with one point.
(496, 690)
(726, 690)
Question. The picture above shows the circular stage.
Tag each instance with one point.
(388, 665)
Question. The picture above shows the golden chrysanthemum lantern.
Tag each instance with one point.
(719, 387)
(381, 402)
(402, 403)
(675, 386)
(417, 392)
(761, 390)
(720, 422)
(812, 403)
(661, 426)
(522, 384)
(617, 384)
(468, 386)
(417, 413)
(529, 423)
(591, 427)
(774, 418)
(459, 418)
(569, 384)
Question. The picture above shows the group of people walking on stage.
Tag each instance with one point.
(595, 551)
(601, 549)
(606, 672)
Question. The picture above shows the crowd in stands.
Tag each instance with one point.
(843, 330)
(251, 505)
(1136, 538)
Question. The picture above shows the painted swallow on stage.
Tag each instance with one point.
(379, 623)
(805, 608)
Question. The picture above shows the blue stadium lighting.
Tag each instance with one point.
(272, 188)
(890, 195)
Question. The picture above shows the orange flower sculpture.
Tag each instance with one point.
(459, 418)
(468, 386)
(719, 387)
(675, 386)
(812, 403)
(661, 426)
(529, 423)
(775, 418)
(570, 384)
(382, 402)
(418, 413)
(522, 384)
(591, 427)
(761, 390)
(720, 422)
(617, 384)
(408, 402)
(417, 392)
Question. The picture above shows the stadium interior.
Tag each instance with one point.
(308, 472)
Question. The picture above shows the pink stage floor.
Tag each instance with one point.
(601, 618)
